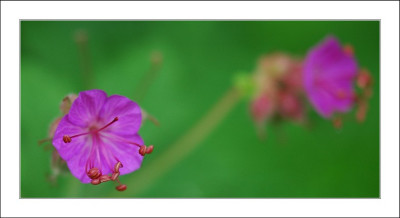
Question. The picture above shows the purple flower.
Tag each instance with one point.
(99, 136)
(329, 73)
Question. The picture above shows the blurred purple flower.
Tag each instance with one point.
(329, 73)
(99, 135)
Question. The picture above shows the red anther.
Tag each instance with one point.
(105, 178)
(95, 181)
(364, 79)
(142, 150)
(66, 139)
(337, 122)
(117, 166)
(146, 150)
(94, 173)
(341, 94)
(114, 176)
(121, 188)
(361, 111)
(149, 149)
(349, 50)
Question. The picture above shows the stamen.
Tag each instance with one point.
(143, 149)
(94, 173)
(341, 94)
(361, 111)
(105, 178)
(149, 149)
(114, 176)
(332, 90)
(68, 139)
(364, 79)
(117, 166)
(337, 122)
(114, 120)
(95, 181)
(121, 187)
(349, 50)
(146, 150)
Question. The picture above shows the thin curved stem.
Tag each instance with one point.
(81, 39)
(176, 152)
(146, 81)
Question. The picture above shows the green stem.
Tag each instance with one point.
(149, 173)
(81, 39)
(74, 188)
(147, 80)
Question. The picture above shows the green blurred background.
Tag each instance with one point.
(200, 59)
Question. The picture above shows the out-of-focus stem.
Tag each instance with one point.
(147, 116)
(148, 78)
(81, 39)
(144, 177)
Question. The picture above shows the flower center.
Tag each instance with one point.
(95, 173)
(92, 130)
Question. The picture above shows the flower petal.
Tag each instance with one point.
(77, 166)
(127, 154)
(128, 113)
(329, 74)
(67, 150)
(76, 152)
(85, 109)
(322, 103)
(102, 149)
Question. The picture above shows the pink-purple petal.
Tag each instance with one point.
(128, 112)
(68, 150)
(85, 109)
(127, 154)
(328, 78)
(77, 166)
(96, 146)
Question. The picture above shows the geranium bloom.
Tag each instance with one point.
(278, 88)
(329, 73)
(99, 136)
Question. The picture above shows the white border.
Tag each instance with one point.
(12, 12)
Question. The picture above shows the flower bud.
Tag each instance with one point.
(53, 127)
(67, 102)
